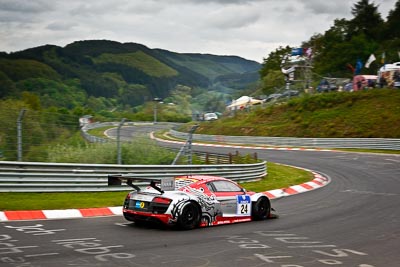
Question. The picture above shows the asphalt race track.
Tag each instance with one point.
(353, 221)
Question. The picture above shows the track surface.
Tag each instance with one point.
(353, 221)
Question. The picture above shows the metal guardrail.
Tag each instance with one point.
(67, 177)
(92, 138)
(363, 143)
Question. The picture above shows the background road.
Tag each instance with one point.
(353, 221)
(143, 129)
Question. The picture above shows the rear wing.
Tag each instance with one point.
(160, 184)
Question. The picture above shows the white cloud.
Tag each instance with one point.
(246, 28)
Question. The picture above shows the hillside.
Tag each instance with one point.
(126, 73)
(373, 113)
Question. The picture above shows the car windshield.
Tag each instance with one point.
(225, 186)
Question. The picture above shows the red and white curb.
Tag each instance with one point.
(317, 182)
(58, 214)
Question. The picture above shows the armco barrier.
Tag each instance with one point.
(66, 177)
(363, 143)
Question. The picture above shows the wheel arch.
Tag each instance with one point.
(257, 196)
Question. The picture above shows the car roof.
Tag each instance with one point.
(201, 178)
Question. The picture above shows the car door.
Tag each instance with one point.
(227, 194)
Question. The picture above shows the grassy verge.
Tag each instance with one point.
(362, 114)
(99, 132)
(278, 177)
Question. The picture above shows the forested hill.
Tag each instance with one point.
(128, 73)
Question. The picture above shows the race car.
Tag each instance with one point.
(191, 201)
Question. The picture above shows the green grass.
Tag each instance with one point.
(48, 201)
(279, 176)
(99, 132)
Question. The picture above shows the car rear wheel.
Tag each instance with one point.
(189, 217)
(261, 209)
(128, 217)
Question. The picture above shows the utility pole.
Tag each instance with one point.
(19, 133)
(119, 158)
(156, 101)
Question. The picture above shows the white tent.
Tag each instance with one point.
(243, 102)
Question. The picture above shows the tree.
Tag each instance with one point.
(7, 86)
(271, 74)
(272, 81)
(32, 100)
(133, 94)
(181, 97)
(367, 20)
(274, 60)
(392, 29)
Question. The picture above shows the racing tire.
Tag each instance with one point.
(190, 216)
(128, 217)
(261, 209)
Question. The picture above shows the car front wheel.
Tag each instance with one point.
(261, 209)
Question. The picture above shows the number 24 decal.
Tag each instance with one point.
(244, 208)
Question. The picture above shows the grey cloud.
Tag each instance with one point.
(20, 11)
(61, 26)
(234, 20)
(227, 1)
(337, 8)
(223, 2)
(24, 6)
(98, 8)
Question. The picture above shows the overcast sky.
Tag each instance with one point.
(245, 28)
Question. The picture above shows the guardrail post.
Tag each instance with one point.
(187, 146)
(19, 133)
(119, 157)
(190, 140)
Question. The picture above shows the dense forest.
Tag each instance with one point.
(343, 50)
(105, 75)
